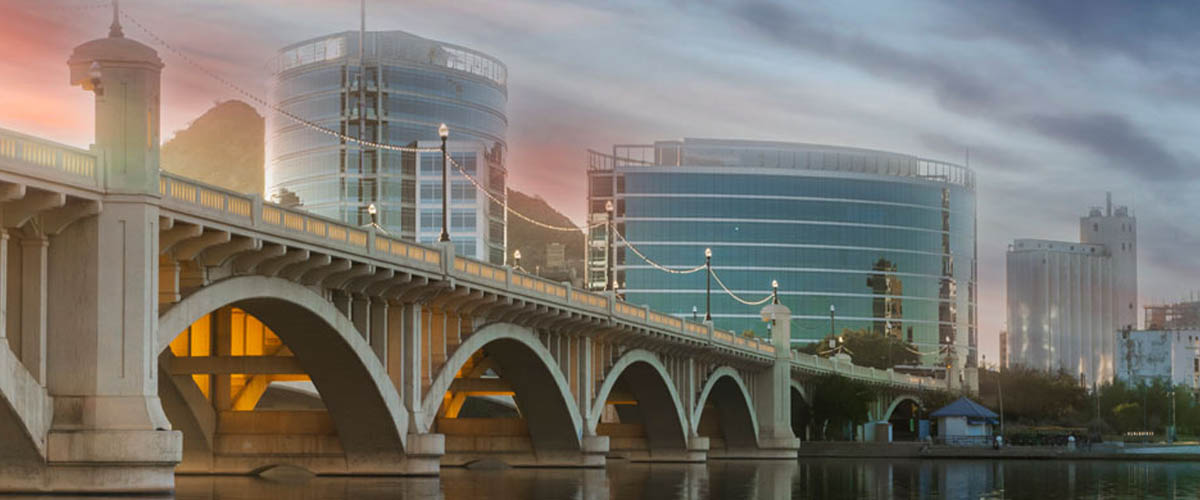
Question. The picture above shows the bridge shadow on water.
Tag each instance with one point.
(732, 480)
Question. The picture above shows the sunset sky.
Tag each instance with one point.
(1057, 103)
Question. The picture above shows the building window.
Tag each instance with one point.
(462, 191)
(431, 220)
(431, 191)
(462, 220)
(465, 247)
(465, 160)
(1095, 227)
(431, 164)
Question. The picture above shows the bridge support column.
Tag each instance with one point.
(697, 445)
(773, 394)
(108, 432)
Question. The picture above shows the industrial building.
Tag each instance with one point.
(1067, 300)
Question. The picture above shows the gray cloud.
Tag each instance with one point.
(1150, 31)
(1115, 138)
(955, 87)
(986, 155)
(978, 89)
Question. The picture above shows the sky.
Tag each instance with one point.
(1056, 101)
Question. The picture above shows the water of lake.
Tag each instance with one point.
(736, 480)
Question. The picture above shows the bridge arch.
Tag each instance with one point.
(801, 401)
(801, 391)
(367, 413)
(542, 393)
(891, 408)
(663, 415)
(735, 408)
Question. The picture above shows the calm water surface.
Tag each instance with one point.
(740, 480)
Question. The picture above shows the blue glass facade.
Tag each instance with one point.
(887, 239)
(408, 86)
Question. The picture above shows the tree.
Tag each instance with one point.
(1034, 397)
(838, 401)
(867, 348)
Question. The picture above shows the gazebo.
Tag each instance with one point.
(965, 423)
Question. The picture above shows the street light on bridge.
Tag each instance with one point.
(708, 284)
(444, 133)
(612, 251)
(832, 311)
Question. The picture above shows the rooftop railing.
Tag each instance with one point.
(822, 158)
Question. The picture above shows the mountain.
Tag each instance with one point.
(531, 239)
(223, 147)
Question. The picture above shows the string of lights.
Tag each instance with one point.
(263, 102)
(652, 263)
(527, 218)
(735, 296)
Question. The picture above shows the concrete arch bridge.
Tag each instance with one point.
(154, 324)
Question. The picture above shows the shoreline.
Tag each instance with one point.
(827, 449)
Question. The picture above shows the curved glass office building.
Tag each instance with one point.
(405, 86)
(887, 239)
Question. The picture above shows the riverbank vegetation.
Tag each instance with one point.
(1033, 398)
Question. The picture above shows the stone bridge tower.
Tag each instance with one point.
(107, 428)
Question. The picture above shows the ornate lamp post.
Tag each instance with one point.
(444, 133)
(708, 284)
(612, 252)
(832, 311)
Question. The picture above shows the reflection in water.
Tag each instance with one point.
(738, 480)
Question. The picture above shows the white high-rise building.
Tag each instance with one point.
(1067, 301)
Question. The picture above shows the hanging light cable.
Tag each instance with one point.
(652, 263)
(527, 218)
(735, 296)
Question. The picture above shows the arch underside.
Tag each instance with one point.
(724, 414)
(367, 422)
(801, 411)
(652, 420)
(549, 428)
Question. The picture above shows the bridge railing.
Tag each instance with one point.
(198, 198)
(76, 165)
(864, 373)
(206, 198)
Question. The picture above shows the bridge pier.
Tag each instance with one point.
(91, 347)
